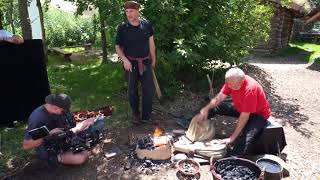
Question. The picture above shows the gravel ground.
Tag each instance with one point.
(295, 101)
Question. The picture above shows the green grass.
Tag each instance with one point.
(308, 51)
(13, 155)
(90, 85)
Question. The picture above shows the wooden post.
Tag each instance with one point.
(156, 85)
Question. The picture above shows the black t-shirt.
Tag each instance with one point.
(135, 39)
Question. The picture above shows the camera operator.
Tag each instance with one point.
(54, 115)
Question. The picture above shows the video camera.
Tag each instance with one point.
(68, 141)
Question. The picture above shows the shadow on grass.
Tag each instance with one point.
(315, 66)
(290, 55)
(13, 156)
(91, 86)
(287, 112)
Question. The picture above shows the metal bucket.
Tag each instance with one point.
(272, 169)
(239, 162)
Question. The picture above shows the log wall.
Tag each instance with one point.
(280, 30)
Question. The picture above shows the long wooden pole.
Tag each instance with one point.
(156, 85)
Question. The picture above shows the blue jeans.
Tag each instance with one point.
(243, 145)
(147, 89)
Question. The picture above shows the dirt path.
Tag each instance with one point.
(295, 102)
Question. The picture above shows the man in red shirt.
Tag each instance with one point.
(250, 106)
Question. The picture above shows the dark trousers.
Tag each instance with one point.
(243, 145)
(147, 89)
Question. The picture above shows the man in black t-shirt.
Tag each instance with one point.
(51, 115)
(135, 46)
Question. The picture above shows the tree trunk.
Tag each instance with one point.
(11, 18)
(24, 19)
(1, 25)
(95, 24)
(103, 36)
(45, 48)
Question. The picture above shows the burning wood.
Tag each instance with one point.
(155, 146)
(146, 143)
(157, 132)
(150, 153)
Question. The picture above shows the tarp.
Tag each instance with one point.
(24, 80)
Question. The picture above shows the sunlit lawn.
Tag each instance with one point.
(308, 51)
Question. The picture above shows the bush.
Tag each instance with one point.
(191, 33)
(65, 29)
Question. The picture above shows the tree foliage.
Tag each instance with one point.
(10, 15)
(197, 30)
(191, 33)
(65, 29)
(107, 11)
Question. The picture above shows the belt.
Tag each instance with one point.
(140, 62)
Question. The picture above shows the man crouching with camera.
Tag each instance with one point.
(55, 115)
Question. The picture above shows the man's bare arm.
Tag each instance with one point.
(126, 63)
(30, 144)
(152, 48)
(242, 121)
(212, 104)
(16, 39)
(121, 53)
(217, 100)
(83, 125)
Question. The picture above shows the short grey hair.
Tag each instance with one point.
(235, 73)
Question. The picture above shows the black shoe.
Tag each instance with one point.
(136, 119)
(147, 121)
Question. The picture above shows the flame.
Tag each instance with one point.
(157, 132)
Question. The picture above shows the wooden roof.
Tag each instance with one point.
(302, 7)
(313, 16)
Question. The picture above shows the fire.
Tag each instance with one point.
(157, 132)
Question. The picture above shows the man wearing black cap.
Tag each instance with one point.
(135, 46)
(51, 115)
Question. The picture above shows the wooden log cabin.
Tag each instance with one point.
(282, 24)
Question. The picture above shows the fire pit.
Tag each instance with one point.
(236, 168)
(154, 147)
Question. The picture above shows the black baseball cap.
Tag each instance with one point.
(61, 100)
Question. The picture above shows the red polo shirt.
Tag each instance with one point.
(250, 98)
